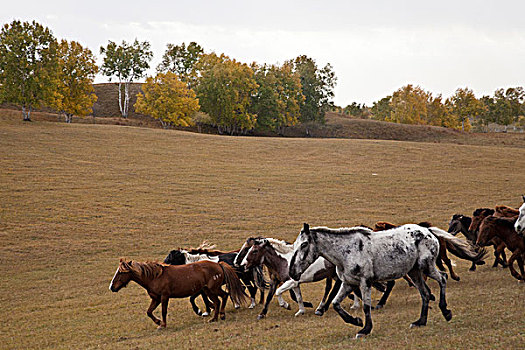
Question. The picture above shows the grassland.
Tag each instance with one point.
(75, 198)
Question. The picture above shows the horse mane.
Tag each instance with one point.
(281, 246)
(209, 252)
(507, 211)
(384, 225)
(148, 269)
(508, 222)
(343, 230)
(480, 211)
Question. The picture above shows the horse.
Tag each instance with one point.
(457, 247)
(519, 226)
(503, 228)
(251, 279)
(478, 216)
(460, 224)
(362, 257)
(163, 282)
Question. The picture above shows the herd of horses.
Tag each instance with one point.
(351, 261)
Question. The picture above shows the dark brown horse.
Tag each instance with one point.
(478, 216)
(476, 257)
(169, 281)
(503, 228)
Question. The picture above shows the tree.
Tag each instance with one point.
(225, 89)
(182, 60)
(317, 88)
(409, 105)
(77, 68)
(28, 65)
(127, 63)
(166, 98)
(278, 98)
(381, 109)
(465, 105)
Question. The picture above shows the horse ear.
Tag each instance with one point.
(523, 198)
(306, 228)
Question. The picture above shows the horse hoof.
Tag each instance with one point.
(378, 307)
(416, 325)
(360, 335)
(319, 312)
(237, 306)
(447, 315)
(521, 281)
(456, 278)
(161, 327)
(432, 297)
(260, 317)
(205, 314)
(251, 306)
(299, 313)
(223, 317)
(212, 320)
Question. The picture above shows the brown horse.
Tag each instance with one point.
(478, 216)
(444, 245)
(503, 228)
(169, 281)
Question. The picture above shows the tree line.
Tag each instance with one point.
(413, 105)
(190, 87)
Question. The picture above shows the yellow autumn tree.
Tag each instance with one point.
(409, 105)
(166, 98)
(74, 94)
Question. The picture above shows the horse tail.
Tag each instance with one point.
(460, 248)
(234, 284)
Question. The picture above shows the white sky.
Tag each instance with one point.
(375, 47)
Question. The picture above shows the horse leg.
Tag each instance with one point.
(355, 305)
(343, 292)
(409, 281)
(216, 303)
(151, 308)
(328, 286)
(423, 289)
(297, 291)
(332, 295)
(207, 303)
(441, 279)
(366, 292)
(224, 296)
(520, 265)
(285, 286)
(504, 262)
(446, 260)
(164, 300)
(271, 292)
(386, 294)
(194, 306)
(513, 272)
(473, 267)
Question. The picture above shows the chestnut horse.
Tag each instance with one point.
(170, 281)
(503, 228)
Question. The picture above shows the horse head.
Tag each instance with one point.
(244, 250)
(122, 276)
(305, 252)
(519, 226)
(477, 217)
(255, 255)
(175, 257)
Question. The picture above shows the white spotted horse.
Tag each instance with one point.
(362, 257)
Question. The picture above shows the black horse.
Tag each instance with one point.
(460, 224)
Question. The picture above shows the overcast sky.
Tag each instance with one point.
(374, 47)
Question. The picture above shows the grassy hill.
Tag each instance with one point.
(74, 198)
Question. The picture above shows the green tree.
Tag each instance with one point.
(278, 98)
(28, 65)
(317, 88)
(225, 89)
(166, 98)
(465, 105)
(182, 60)
(76, 71)
(126, 62)
(381, 109)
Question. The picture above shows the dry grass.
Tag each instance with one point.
(75, 198)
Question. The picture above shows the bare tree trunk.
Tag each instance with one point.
(120, 99)
(126, 99)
